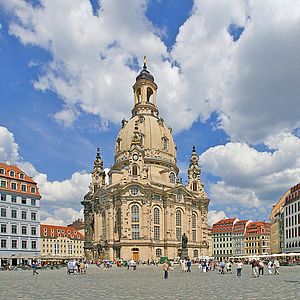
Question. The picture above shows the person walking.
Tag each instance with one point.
(239, 267)
(222, 265)
(34, 267)
(270, 267)
(276, 267)
(255, 268)
(189, 264)
(260, 267)
(166, 269)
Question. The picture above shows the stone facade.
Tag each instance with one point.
(143, 209)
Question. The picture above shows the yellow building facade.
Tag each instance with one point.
(142, 210)
(61, 242)
(276, 228)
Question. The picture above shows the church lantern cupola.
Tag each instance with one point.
(145, 93)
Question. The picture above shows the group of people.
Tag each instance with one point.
(75, 266)
(258, 267)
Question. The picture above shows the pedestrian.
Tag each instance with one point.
(276, 267)
(183, 265)
(188, 264)
(255, 268)
(260, 267)
(239, 267)
(166, 269)
(34, 267)
(222, 265)
(270, 267)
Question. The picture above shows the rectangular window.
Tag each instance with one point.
(14, 244)
(32, 190)
(14, 213)
(24, 215)
(13, 186)
(156, 233)
(23, 201)
(33, 202)
(24, 229)
(194, 236)
(24, 244)
(135, 231)
(33, 230)
(3, 228)
(33, 216)
(178, 233)
(13, 199)
(23, 187)
(3, 212)
(14, 229)
(3, 183)
(3, 197)
(33, 244)
(3, 243)
(56, 248)
(70, 249)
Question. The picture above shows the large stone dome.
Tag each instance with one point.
(156, 137)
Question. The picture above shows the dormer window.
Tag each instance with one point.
(12, 173)
(21, 176)
(2, 172)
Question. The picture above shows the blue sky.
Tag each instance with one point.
(66, 86)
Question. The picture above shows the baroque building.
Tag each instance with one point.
(142, 209)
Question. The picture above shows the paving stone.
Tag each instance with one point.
(147, 283)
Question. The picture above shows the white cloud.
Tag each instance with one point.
(9, 150)
(60, 199)
(215, 216)
(252, 83)
(252, 180)
(66, 116)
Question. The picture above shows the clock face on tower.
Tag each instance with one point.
(135, 156)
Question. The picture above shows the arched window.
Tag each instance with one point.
(172, 177)
(135, 226)
(178, 225)
(12, 173)
(2, 171)
(149, 95)
(134, 213)
(194, 227)
(195, 186)
(103, 226)
(134, 170)
(119, 222)
(139, 96)
(158, 252)
(156, 221)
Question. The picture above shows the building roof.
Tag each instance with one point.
(54, 231)
(239, 226)
(18, 177)
(293, 195)
(224, 225)
(258, 227)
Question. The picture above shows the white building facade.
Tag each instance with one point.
(292, 220)
(19, 217)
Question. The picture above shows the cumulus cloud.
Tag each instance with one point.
(251, 83)
(215, 216)
(252, 180)
(60, 199)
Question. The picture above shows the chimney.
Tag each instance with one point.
(7, 162)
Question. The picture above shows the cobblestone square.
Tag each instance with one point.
(147, 283)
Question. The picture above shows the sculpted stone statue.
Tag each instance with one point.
(184, 241)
